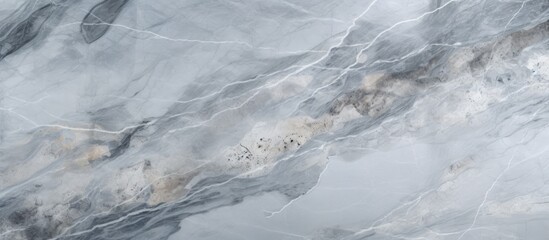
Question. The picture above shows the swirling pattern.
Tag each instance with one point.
(207, 119)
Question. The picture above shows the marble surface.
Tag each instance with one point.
(274, 119)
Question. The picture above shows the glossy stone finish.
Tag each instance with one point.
(264, 119)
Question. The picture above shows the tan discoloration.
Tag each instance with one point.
(94, 152)
(370, 81)
(377, 95)
(167, 187)
(267, 141)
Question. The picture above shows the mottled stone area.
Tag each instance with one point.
(274, 119)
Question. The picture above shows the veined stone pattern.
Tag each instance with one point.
(274, 119)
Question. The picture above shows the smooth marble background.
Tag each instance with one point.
(319, 119)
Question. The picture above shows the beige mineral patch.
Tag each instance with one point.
(267, 140)
(94, 152)
(128, 183)
(370, 81)
(457, 63)
(165, 188)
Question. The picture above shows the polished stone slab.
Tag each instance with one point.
(320, 119)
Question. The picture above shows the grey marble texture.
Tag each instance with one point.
(274, 119)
